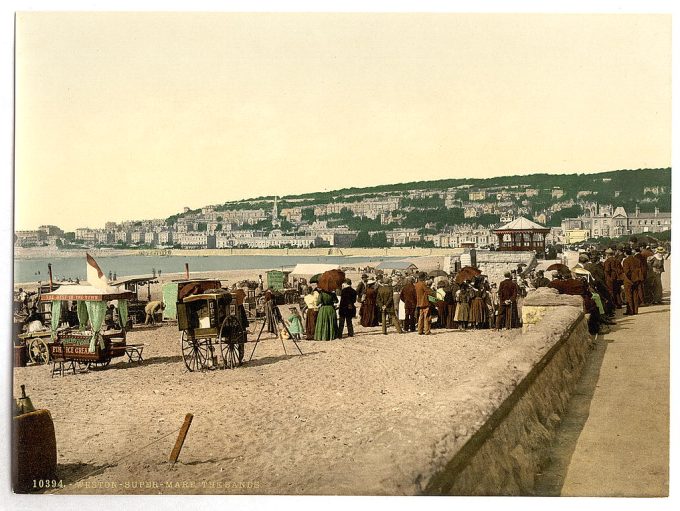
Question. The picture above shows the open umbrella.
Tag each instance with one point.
(467, 273)
(331, 280)
(315, 278)
(561, 268)
(438, 273)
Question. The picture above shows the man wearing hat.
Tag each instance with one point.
(657, 268)
(540, 280)
(423, 291)
(347, 310)
(508, 292)
(409, 297)
(612, 277)
(385, 302)
(582, 259)
(632, 277)
(642, 259)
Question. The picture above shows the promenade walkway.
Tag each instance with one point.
(614, 438)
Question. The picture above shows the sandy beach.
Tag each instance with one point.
(341, 419)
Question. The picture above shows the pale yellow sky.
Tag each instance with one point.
(137, 115)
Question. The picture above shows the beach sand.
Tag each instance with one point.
(357, 416)
(352, 416)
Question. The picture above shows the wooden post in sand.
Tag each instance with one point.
(186, 270)
(181, 437)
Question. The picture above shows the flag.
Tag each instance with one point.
(95, 275)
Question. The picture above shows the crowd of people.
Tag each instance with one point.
(412, 304)
(620, 276)
(624, 275)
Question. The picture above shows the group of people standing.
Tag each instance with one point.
(410, 304)
(622, 275)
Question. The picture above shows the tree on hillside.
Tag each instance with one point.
(572, 212)
(379, 240)
(363, 239)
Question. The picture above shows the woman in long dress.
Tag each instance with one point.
(326, 319)
(462, 306)
(478, 310)
(369, 308)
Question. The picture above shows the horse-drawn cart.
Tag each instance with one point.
(211, 324)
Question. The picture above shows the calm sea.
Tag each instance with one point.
(32, 270)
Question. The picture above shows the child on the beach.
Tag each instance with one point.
(295, 323)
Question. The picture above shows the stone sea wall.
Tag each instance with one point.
(510, 411)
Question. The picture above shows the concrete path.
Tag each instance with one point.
(613, 440)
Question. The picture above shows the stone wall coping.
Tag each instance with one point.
(484, 401)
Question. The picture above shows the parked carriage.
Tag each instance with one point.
(213, 331)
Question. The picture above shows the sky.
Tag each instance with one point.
(136, 115)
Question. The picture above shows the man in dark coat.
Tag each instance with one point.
(612, 275)
(540, 280)
(642, 253)
(409, 297)
(632, 277)
(508, 292)
(347, 309)
(385, 303)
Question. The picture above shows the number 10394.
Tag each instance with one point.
(48, 483)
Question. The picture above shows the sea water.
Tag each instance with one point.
(33, 270)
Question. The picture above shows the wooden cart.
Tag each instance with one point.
(213, 331)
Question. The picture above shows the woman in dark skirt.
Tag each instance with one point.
(369, 308)
(450, 299)
(478, 308)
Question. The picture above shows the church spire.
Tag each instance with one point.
(275, 213)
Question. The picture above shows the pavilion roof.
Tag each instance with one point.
(522, 224)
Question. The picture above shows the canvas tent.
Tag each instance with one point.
(313, 268)
(396, 265)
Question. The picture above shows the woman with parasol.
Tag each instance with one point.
(326, 319)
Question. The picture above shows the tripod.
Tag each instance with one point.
(276, 314)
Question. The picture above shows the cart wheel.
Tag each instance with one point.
(197, 353)
(38, 352)
(232, 338)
